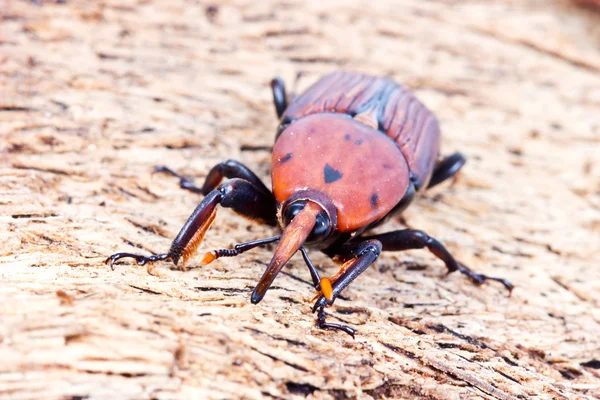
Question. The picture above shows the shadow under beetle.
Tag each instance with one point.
(350, 152)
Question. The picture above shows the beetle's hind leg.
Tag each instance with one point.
(242, 196)
(228, 169)
(408, 239)
(447, 168)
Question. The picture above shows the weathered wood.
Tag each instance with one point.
(94, 94)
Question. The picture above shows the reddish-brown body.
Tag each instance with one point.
(366, 134)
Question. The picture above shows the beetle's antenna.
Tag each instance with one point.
(237, 250)
(291, 240)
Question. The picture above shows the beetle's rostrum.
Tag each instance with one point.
(350, 152)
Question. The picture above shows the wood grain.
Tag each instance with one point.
(94, 94)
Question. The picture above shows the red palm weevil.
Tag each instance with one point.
(350, 152)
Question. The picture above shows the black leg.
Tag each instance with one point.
(364, 255)
(228, 169)
(408, 239)
(238, 194)
(314, 274)
(279, 96)
(184, 182)
(447, 168)
(323, 324)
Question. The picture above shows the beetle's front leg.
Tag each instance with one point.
(240, 195)
(364, 255)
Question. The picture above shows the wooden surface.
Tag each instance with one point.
(94, 94)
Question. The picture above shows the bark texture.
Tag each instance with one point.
(94, 94)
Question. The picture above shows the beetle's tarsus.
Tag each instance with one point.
(164, 169)
(184, 182)
(480, 279)
(323, 324)
(139, 258)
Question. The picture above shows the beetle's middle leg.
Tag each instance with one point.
(228, 169)
(239, 194)
(407, 239)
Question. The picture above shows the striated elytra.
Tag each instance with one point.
(350, 152)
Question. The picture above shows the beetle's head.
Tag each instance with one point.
(309, 202)
(306, 217)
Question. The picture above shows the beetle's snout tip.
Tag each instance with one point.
(256, 297)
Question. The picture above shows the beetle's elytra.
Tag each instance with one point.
(350, 152)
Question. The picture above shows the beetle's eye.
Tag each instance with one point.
(321, 229)
(290, 211)
(322, 224)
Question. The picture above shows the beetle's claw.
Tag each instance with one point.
(110, 261)
(507, 284)
(164, 169)
(117, 256)
(479, 279)
(323, 324)
(139, 259)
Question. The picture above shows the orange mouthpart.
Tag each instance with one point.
(291, 240)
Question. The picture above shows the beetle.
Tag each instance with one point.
(350, 152)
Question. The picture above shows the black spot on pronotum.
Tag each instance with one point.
(374, 200)
(347, 136)
(387, 166)
(331, 174)
(358, 142)
(285, 158)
